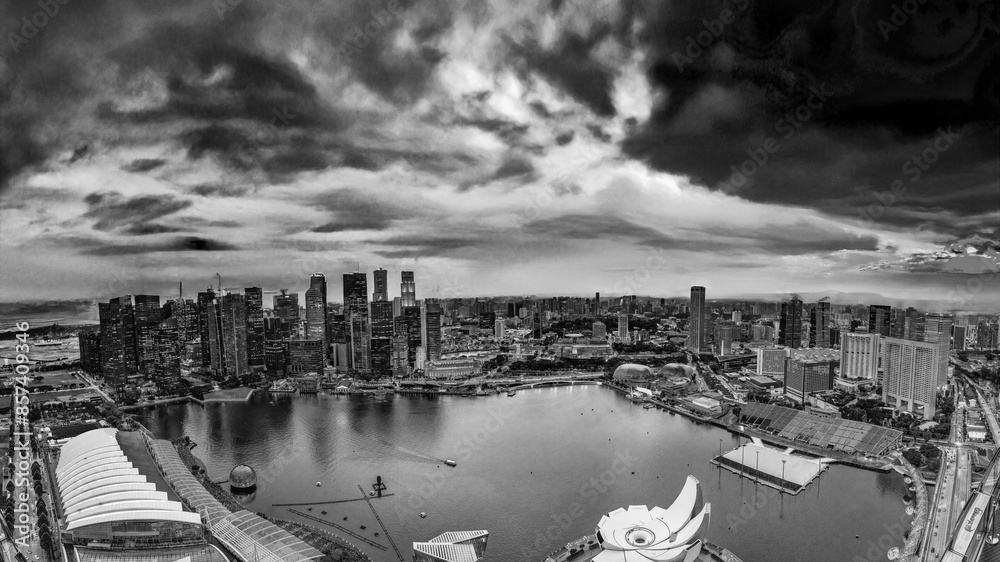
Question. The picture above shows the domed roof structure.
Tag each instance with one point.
(676, 370)
(640, 534)
(633, 372)
(243, 478)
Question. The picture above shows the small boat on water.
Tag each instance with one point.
(511, 393)
(423, 514)
(450, 462)
(647, 406)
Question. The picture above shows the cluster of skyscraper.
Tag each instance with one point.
(139, 339)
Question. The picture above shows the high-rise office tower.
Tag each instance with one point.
(431, 323)
(381, 337)
(986, 335)
(409, 323)
(90, 351)
(400, 350)
(819, 325)
(286, 307)
(737, 316)
(623, 331)
(958, 337)
(937, 330)
(897, 326)
(148, 315)
(804, 376)
(185, 313)
(381, 285)
(499, 329)
(233, 334)
(167, 345)
(790, 329)
(859, 356)
(118, 357)
(596, 305)
(599, 331)
(697, 327)
(316, 311)
(254, 298)
(726, 332)
(407, 289)
(206, 317)
(910, 375)
(914, 326)
(356, 313)
(880, 320)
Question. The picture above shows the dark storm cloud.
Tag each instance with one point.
(112, 210)
(793, 239)
(143, 165)
(184, 244)
(882, 101)
(570, 65)
(354, 209)
(430, 246)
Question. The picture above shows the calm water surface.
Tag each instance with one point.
(536, 470)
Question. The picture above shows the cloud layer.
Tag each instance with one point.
(495, 147)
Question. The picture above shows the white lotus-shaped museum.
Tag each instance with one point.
(674, 534)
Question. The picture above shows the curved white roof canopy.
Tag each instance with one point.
(98, 484)
(639, 534)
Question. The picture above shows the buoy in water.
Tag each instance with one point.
(318, 484)
(422, 514)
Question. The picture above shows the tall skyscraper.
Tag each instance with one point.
(147, 316)
(697, 327)
(167, 345)
(381, 337)
(910, 375)
(986, 335)
(623, 331)
(206, 318)
(118, 356)
(790, 329)
(381, 285)
(233, 334)
(90, 351)
(254, 298)
(409, 324)
(958, 337)
(316, 311)
(596, 305)
(286, 308)
(407, 289)
(819, 325)
(499, 329)
(880, 320)
(914, 325)
(599, 331)
(859, 356)
(937, 330)
(356, 312)
(431, 323)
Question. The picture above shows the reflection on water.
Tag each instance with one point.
(536, 470)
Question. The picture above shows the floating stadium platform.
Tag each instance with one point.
(772, 467)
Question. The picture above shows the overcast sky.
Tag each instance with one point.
(560, 147)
